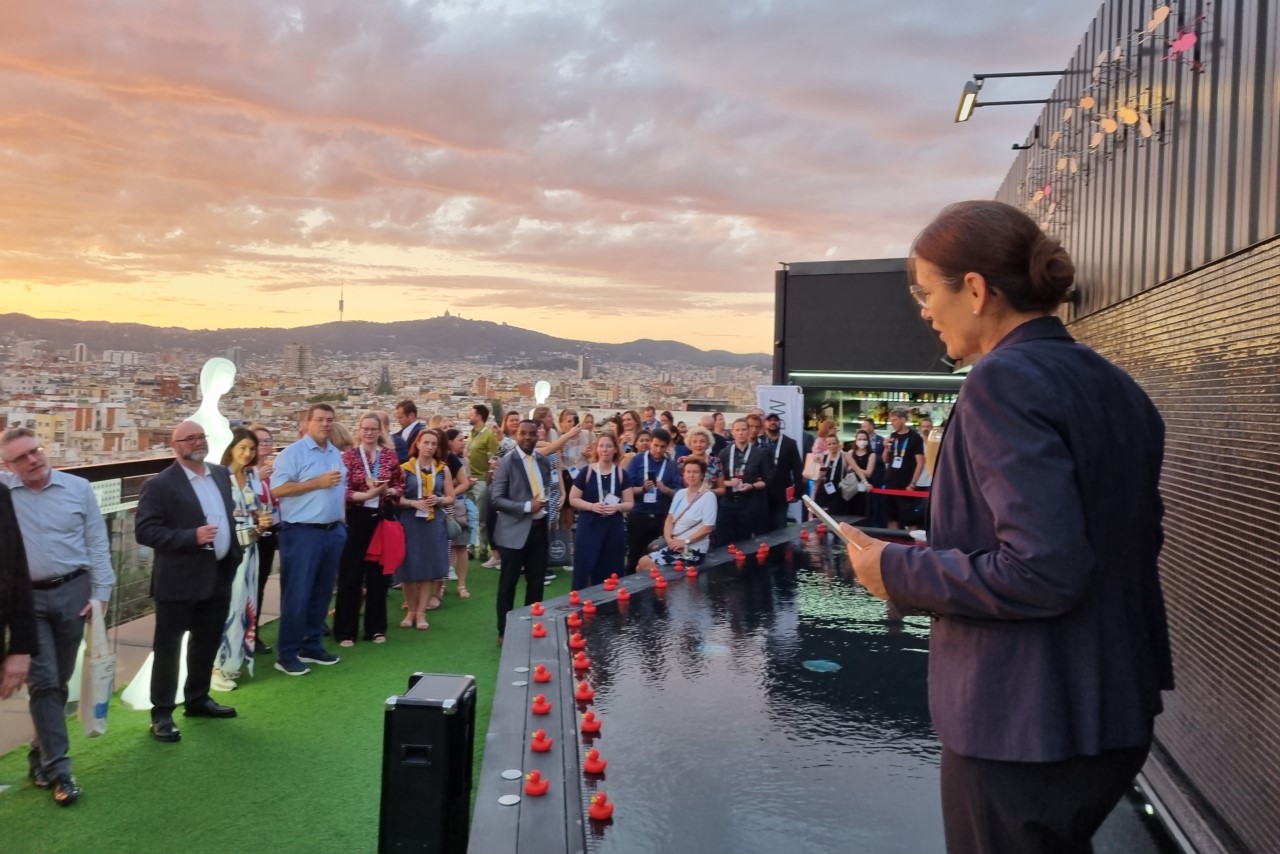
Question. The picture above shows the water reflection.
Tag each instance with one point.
(720, 739)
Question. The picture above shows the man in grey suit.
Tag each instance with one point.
(519, 493)
(187, 516)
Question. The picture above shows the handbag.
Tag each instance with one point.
(453, 529)
(812, 468)
(851, 484)
(387, 546)
(559, 547)
(98, 674)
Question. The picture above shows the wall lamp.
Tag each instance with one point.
(969, 98)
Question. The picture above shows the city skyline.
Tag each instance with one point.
(563, 167)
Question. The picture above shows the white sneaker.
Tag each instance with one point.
(494, 562)
(453, 575)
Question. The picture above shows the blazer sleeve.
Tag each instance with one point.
(151, 526)
(17, 610)
(500, 490)
(1013, 441)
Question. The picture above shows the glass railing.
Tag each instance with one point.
(117, 487)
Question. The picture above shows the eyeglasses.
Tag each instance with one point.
(920, 295)
(32, 454)
(201, 438)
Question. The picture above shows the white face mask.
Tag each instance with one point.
(862, 443)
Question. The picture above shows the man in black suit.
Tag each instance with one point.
(785, 476)
(187, 516)
(410, 427)
(744, 510)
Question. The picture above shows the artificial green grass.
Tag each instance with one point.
(298, 771)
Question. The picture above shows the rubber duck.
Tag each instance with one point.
(541, 705)
(540, 742)
(573, 621)
(577, 641)
(539, 630)
(610, 585)
(593, 764)
(534, 784)
(660, 583)
(541, 673)
(590, 723)
(574, 598)
(804, 534)
(624, 595)
(653, 572)
(679, 565)
(537, 610)
(739, 558)
(692, 573)
(584, 693)
(589, 608)
(821, 529)
(600, 809)
(580, 661)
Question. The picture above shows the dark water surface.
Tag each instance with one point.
(767, 710)
(719, 738)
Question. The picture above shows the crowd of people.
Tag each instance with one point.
(629, 492)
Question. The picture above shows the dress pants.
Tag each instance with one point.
(204, 618)
(994, 807)
(479, 493)
(642, 529)
(309, 559)
(531, 561)
(266, 555)
(356, 573)
(59, 630)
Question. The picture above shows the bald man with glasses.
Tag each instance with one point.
(186, 515)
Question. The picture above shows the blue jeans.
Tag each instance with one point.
(473, 520)
(309, 558)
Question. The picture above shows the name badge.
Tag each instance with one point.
(573, 472)
(829, 487)
(897, 462)
(611, 500)
(651, 497)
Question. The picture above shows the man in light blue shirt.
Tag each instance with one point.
(309, 480)
(69, 558)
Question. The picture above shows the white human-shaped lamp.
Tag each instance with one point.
(216, 378)
(541, 391)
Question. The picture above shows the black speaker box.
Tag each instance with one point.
(427, 747)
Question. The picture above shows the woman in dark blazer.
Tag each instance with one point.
(1049, 646)
(17, 611)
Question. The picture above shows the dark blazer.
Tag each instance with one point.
(402, 444)
(1050, 639)
(756, 469)
(168, 514)
(787, 471)
(17, 610)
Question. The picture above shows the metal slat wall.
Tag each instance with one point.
(1176, 240)
(1207, 183)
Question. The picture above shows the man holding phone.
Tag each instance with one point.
(519, 493)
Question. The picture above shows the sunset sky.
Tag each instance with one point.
(595, 170)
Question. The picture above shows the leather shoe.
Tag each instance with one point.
(65, 791)
(208, 709)
(260, 648)
(164, 730)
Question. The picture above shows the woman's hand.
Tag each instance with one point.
(430, 501)
(601, 508)
(676, 544)
(864, 557)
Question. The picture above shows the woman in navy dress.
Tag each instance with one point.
(601, 497)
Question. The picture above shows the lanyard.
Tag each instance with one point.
(377, 458)
(600, 482)
(900, 449)
(423, 485)
(733, 469)
(777, 449)
(661, 471)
